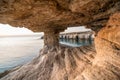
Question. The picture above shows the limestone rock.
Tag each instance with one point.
(42, 15)
(106, 65)
(56, 63)
(112, 30)
(65, 63)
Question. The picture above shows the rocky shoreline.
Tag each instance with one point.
(53, 62)
(6, 72)
(3, 74)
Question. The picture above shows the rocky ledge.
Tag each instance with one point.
(56, 63)
(64, 63)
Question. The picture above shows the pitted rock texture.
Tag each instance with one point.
(106, 65)
(64, 63)
(43, 15)
(84, 63)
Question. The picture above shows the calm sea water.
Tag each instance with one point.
(16, 51)
(76, 43)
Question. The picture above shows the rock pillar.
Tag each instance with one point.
(51, 38)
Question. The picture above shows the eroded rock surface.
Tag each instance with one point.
(84, 63)
(65, 63)
(42, 15)
(106, 65)
(56, 63)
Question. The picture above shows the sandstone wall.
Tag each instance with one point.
(84, 63)
(42, 15)
(64, 63)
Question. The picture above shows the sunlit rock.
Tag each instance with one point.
(65, 63)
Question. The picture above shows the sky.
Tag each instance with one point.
(6, 29)
(76, 29)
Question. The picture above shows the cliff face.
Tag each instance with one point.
(106, 65)
(64, 63)
(84, 63)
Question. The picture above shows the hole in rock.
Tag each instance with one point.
(77, 36)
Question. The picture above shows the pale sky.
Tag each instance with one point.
(6, 29)
(76, 29)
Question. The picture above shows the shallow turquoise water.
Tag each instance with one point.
(76, 43)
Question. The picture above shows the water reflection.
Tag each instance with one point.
(76, 42)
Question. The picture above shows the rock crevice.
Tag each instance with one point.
(56, 62)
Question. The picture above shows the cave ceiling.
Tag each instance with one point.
(43, 15)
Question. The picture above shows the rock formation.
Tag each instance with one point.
(106, 65)
(58, 63)
(65, 63)
(43, 15)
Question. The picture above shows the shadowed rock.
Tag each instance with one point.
(65, 63)
(43, 15)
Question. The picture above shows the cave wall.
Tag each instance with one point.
(106, 65)
(99, 62)
(56, 15)
(52, 17)
(40, 15)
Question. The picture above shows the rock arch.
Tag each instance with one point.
(57, 62)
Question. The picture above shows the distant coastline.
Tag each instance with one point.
(23, 35)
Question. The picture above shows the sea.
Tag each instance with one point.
(15, 51)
